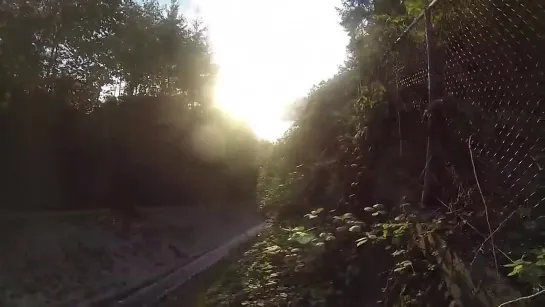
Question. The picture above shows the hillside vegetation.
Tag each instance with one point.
(343, 186)
(376, 196)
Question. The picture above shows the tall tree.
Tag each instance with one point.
(103, 98)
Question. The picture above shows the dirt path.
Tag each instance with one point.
(70, 259)
(186, 282)
(191, 293)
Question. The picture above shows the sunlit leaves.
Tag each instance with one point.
(298, 234)
(355, 228)
(310, 216)
(330, 238)
(361, 241)
(414, 7)
(402, 266)
(378, 206)
(317, 211)
(314, 213)
(531, 269)
(272, 249)
(379, 213)
(399, 252)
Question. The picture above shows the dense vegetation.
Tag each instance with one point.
(346, 223)
(109, 103)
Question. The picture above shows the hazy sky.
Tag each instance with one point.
(270, 53)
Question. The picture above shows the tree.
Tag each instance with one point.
(105, 102)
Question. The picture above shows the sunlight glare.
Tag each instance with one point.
(270, 53)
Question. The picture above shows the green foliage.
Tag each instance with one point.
(317, 249)
(320, 182)
(278, 191)
(274, 272)
(414, 7)
(109, 102)
(531, 270)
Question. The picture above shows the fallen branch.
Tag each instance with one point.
(522, 298)
(490, 236)
(478, 232)
(485, 206)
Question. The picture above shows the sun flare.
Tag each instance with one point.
(270, 54)
(252, 103)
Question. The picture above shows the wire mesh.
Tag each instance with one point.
(489, 60)
(494, 64)
(409, 69)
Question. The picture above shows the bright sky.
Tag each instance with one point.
(270, 53)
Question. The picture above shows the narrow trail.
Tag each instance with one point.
(184, 284)
(90, 260)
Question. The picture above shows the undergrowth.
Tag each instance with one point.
(343, 187)
(325, 247)
(346, 225)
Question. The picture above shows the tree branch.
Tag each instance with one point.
(485, 207)
(522, 298)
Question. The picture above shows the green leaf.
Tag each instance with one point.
(414, 7)
(540, 262)
(318, 211)
(330, 238)
(360, 243)
(305, 238)
(516, 270)
(348, 216)
(399, 252)
(272, 249)
(355, 228)
(539, 252)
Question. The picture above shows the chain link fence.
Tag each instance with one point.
(472, 72)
